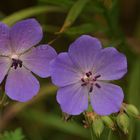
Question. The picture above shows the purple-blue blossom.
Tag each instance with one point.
(19, 58)
(83, 75)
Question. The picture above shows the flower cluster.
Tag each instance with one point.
(82, 74)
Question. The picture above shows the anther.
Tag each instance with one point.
(16, 63)
(20, 64)
(91, 88)
(84, 84)
(96, 77)
(82, 79)
(97, 85)
(88, 74)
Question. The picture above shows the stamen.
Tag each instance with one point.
(88, 74)
(16, 63)
(82, 80)
(97, 85)
(90, 81)
(96, 77)
(20, 64)
(91, 88)
(84, 84)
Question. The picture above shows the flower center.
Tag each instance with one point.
(15, 61)
(14, 56)
(90, 80)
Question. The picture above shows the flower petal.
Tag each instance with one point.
(111, 64)
(63, 71)
(83, 51)
(38, 59)
(21, 85)
(107, 99)
(73, 99)
(4, 40)
(5, 64)
(25, 34)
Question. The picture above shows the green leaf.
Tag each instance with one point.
(73, 31)
(63, 3)
(51, 120)
(134, 84)
(73, 14)
(13, 135)
(32, 11)
(134, 95)
(112, 135)
(81, 29)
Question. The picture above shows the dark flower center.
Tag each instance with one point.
(90, 80)
(16, 63)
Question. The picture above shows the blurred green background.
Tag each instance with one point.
(115, 22)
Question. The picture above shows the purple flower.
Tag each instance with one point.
(18, 58)
(83, 74)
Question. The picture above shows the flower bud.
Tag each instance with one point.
(131, 110)
(108, 122)
(123, 122)
(98, 126)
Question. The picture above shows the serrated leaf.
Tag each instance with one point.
(12, 135)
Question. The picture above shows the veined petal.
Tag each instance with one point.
(73, 99)
(111, 64)
(107, 99)
(38, 59)
(4, 40)
(21, 85)
(5, 64)
(25, 34)
(83, 52)
(63, 71)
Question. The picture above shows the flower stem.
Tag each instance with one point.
(92, 133)
(109, 135)
(3, 102)
(3, 97)
(93, 137)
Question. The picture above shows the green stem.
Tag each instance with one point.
(109, 135)
(3, 102)
(92, 133)
(90, 127)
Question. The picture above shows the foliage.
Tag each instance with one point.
(12, 135)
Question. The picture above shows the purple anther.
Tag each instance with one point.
(97, 85)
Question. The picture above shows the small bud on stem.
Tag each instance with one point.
(98, 126)
(131, 110)
(108, 122)
(123, 122)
